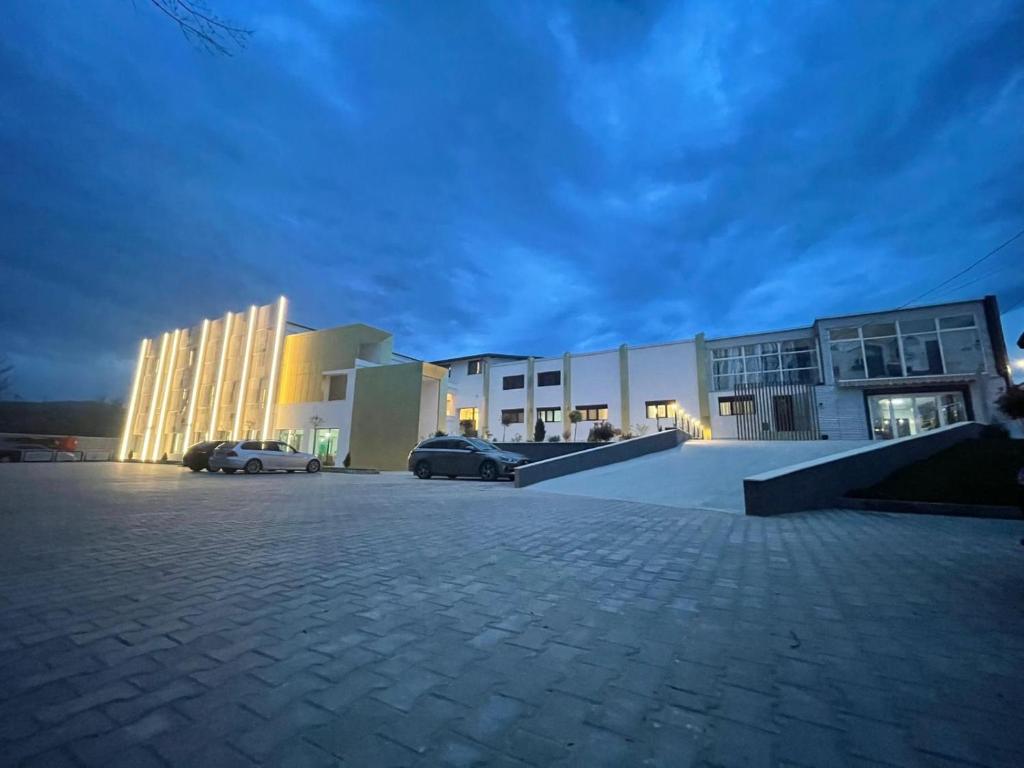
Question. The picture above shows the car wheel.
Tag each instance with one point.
(252, 466)
(423, 470)
(194, 468)
(488, 471)
(314, 466)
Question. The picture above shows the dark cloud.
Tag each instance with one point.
(469, 175)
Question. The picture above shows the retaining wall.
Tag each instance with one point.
(822, 483)
(603, 455)
(542, 451)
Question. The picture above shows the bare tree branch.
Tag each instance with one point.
(203, 28)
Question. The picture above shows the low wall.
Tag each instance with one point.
(542, 451)
(822, 483)
(603, 455)
(89, 448)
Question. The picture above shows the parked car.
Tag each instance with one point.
(463, 456)
(197, 458)
(254, 456)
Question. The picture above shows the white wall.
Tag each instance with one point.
(662, 372)
(595, 380)
(336, 414)
(501, 399)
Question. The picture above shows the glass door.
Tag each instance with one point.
(894, 416)
(325, 445)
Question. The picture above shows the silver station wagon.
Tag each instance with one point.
(252, 456)
(456, 456)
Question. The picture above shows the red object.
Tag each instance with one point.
(67, 444)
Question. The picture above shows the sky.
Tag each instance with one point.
(524, 178)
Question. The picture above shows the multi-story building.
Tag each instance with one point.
(345, 392)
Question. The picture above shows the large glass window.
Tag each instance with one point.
(920, 347)
(325, 445)
(769, 362)
(901, 415)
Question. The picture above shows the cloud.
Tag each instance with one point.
(532, 177)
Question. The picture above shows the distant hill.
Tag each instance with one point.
(81, 418)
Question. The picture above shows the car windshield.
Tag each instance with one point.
(483, 445)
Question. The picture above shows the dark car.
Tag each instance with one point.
(463, 456)
(197, 457)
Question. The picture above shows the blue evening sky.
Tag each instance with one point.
(522, 177)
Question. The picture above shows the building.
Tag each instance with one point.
(344, 392)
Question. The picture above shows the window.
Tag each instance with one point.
(549, 378)
(325, 445)
(736, 405)
(449, 404)
(661, 409)
(513, 382)
(292, 437)
(512, 416)
(272, 446)
(768, 362)
(549, 415)
(913, 347)
(474, 367)
(252, 446)
(337, 386)
(468, 419)
(594, 412)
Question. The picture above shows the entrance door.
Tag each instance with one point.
(325, 445)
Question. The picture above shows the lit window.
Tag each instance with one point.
(474, 367)
(449, 404)
(594, 412)
(550, 415)
(661, 409)
(738, 405)
(469, 414)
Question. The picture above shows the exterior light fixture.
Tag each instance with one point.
(168, 378)
(220, 375)
(243, 383)
(197, 376)
(275, 362)
(152, 403)
(130, 420)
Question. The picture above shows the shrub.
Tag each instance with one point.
(516, 439)
(1011, 402)
(601, 432)
(538, 431)
(994, 432)
(440, 433)
(554, 439)
(348, 460)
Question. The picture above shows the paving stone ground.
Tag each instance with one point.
(153, 617)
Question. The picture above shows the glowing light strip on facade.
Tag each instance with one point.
(274, 364)
(156, 391)
(196, 381)
(136, 383)
(244, 381)
(168, 380)
(220, 375)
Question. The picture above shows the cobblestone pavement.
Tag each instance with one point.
(149, 616)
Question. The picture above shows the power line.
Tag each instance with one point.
(964, 270)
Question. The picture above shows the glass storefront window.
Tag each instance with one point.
(883, 358)
(895, 416)
(761, 363)
(325, 445)
(962, 351)
(847, 360)
(921, 354)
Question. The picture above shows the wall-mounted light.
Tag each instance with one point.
(168, 379)
(244, 382)
(220, 375)
(156, 393)
(136, 382)
(282, 304)
(197, 376)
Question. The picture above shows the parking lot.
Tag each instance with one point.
(151, 616)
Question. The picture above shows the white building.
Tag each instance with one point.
(876, 375)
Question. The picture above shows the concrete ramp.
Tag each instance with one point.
(699, 474)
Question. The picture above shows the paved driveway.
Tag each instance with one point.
(149, 616)
(699, 474)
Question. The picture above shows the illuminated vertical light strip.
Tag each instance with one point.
(244, 381)
(168, 380)
(274, 363)
(130, 422)
(196, 381)
(156, 392)
(220, 375)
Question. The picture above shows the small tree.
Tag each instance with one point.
(506, 420)
(575, 417)
(538, 431)
(1011, 403)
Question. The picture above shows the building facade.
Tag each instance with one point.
(344, 392)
